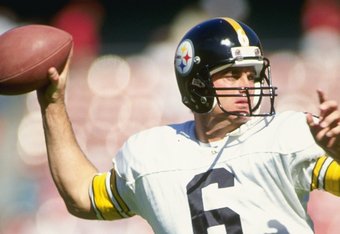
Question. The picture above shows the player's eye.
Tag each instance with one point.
(251, 76)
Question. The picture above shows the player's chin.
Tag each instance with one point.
(242, 115)
(241, 111)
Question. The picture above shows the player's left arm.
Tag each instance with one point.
(326, 132)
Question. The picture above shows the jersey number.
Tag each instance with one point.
(201, 219)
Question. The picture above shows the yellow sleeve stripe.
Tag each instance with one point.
(332, 179)
(105, 198)
(326, 175)
(101, 199)
(316, 172)
(98, 214)
(116, 196)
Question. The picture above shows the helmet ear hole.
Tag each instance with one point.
(204, 100)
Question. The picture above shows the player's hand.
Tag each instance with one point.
(55, 91)
(326, 131)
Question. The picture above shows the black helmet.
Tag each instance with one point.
(212, 46)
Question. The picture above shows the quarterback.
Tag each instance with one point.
(237, 167)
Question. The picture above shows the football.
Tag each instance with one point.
(26, 54)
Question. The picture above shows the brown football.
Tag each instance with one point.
(26, 54)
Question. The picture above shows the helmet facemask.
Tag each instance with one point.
(260, 98)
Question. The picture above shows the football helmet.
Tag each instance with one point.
(212, 46)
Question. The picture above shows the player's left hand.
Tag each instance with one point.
(326, 132)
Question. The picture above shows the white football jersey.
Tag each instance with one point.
(256, 180)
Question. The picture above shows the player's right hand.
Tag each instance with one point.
(55, 91)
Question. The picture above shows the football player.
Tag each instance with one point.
(238, 167)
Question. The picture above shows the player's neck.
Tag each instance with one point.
(210, 128)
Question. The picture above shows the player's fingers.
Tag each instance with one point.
(321, 95)
(53, 75)
(333, 131)
(322, 99)
(332, 141)
(331, 114)
(332, 117)
(310, 120)
(317, 131)
(329, 126)
(315, 128)
(328, 106)
(320, 134)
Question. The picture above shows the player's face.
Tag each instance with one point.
(235, 77)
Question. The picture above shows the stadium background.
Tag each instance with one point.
(123, 53)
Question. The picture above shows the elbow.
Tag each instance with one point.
(81, 210)
(79, 213)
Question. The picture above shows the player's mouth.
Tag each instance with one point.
(242, 102)
(241, 106)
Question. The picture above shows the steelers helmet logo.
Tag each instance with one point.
(184, 57)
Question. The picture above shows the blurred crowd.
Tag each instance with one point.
(110, 96)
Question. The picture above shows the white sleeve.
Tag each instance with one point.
(298, 142)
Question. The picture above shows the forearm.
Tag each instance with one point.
(71, 170)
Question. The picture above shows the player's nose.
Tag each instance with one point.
(244, 80)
